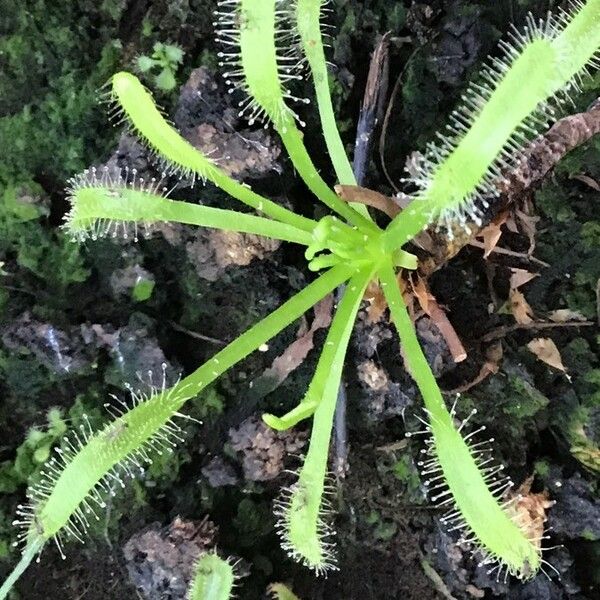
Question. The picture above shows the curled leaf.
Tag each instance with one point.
(520, 308)
(530, 509)
(564, 315)
(545, 349)
(491, 233)
(520, 277)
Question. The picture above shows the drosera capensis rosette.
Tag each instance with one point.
(346, 248)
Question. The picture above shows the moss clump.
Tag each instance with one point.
(525, 400)
(572, 248)
(62, 68)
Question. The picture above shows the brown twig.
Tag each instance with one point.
(196, 335)
(355, 193)
(507, 252)
(372, 106)
(441, 321)
(420, 290)
(504, 330)
(539, 158)
(375, 93)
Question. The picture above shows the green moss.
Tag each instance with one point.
(550, 200)
(208, 59)
(382, 530)
(405, 471)
(252, 522)
(542, 468)
(421, 97)
(569, 238)
(6, 533)
(24, 377)
(506, 404)
(208, 405)
(58, 53)
(586, 158)
(142, 290)
(37, 250)
(38, 443)
(18, 206)
(113, 8)
(590, 234)
(588, 535)
(578, 413)
(53, 258)
(581, 359)
(525, 400)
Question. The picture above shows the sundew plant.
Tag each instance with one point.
(213, 579)
(267, 44)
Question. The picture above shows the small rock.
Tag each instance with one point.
(457, 47)
(59, 350)
(264, 450)
(373, 376)
(137, 357)
(219, 473)
(212, 252)
(576, 514)
(208, 118)
(160, 560)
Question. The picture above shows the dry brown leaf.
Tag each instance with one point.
(589, 181)
(511, 224)
(520, 277)
(425, 241)
(530, 510)
(564, 315)
(522, 312)
(520, 308)
(545, 349)
(491, 235)
(293, 356)
(409, 297)
(491, 366)
(377, 302)
(421, 293)
(355, 193)
(492, 232)
(529, 226)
